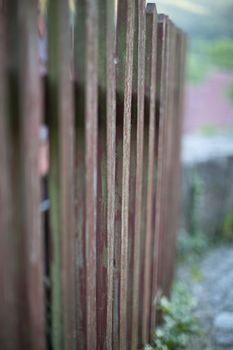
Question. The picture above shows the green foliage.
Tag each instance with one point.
(179, 324)
(220, 53)
(206, 55)
(196, 273)
(197, 69)
(191, 247)
(209, 130)
(228, 227)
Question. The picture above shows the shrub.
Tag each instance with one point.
(220, 53)
(179, 324)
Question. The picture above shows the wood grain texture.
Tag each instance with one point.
(102, 174)
(80, 173)
(161, 93)
(111, 163)
(164, 221)
(151, 52)
(120, 68)
(139, 169)
(168, 159)
(91, 125)
(125, 171)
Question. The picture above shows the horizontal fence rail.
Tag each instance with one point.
(93, 88)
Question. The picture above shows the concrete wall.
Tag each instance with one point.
(207, 188)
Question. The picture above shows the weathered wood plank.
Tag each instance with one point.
(127, 73)
(131, 214)
(173, 160)
(139, 169)
(117, 253)
(164, 223)
(111, 163)
(8, 293)
(168, 161)
(101, 239)
(151, 52)
(161, 94)
(54, 179)
(102, 192)
(66, 136)
(91, 168)
(80, 303)
(132, 185)
(120, 61)
(30, 112)
(175, 155)
(178, 97)
(143, 233)
(79, 76)
(61, 176)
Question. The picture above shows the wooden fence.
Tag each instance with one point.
(85, 274)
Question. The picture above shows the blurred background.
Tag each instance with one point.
(205, 252)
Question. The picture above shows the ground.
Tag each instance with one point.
(211, 284)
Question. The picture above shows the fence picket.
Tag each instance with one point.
(30, 230)
(61, 184)
(91, 125)
(125, 171)
(8, 257)
(80, 151)
(151, 51)
(111, 163)
(161, 95)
